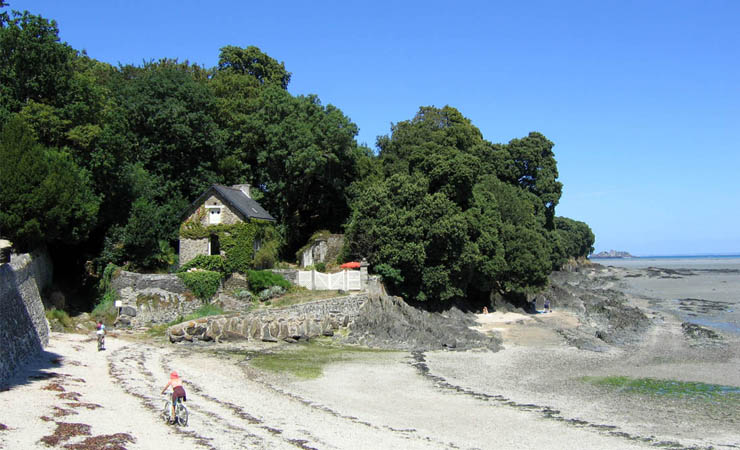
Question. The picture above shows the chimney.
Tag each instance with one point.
(242, 187)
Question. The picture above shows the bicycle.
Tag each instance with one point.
(101, 341)
(181, 411)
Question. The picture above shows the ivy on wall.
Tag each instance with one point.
(202, 283)
(236, 240)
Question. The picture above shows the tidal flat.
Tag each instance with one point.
(620, 363)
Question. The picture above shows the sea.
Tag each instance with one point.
(709, 297)
(674, 262)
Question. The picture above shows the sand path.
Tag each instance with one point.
(384, 401)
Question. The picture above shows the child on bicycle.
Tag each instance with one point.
(178, 391)
(100, 332)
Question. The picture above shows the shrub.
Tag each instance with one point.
(271, 292)
(388, 273)
(259, 280)
(202, 283)
(213, 263)
(267, 256)
(61, 316)
(105, 310)
(244, 294)
(320, 267)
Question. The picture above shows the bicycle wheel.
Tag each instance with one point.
(182, 414)
(166, 411)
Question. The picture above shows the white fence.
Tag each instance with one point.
(346, 280)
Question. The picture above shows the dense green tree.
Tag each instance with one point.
(577, 237)
(300, 155)
(34, 65)
(443, 225)
(169, 109)
(526, 251)
(253, 62)
(44, 196)
(530, 163)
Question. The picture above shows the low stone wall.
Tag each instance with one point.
(24, 330)
(291, 324)
(149, 298)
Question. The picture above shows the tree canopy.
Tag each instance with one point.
(105, 159)
(456, 216)
(44, 196)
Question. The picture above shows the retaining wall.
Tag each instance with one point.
(24, 330)
(292, 323)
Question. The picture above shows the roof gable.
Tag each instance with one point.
(246, 206)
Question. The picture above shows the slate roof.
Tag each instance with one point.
(237, 199)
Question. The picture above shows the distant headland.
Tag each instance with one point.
(612, 254)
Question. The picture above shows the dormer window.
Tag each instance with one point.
(214, 215)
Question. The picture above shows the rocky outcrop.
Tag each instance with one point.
(24, 330)
(389, 322)
(324, 249)
(605, 316)
(290, 324)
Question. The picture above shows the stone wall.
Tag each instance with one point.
(24, 330)
(291, 324)
(190, 248)
(149, 298)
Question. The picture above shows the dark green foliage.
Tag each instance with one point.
(263, 279)
(214, 263)
(105, 309)
(389, 274)
(301, 156)
(170, 111)
(577, 237)
(456, 215)
(202, 283)
(34, 65)
(251, 61)
(238, 245)
(44, 196)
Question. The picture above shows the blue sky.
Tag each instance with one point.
(641, 98)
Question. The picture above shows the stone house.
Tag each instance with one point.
(219, 205)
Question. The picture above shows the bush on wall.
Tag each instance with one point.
(214, 263)
(202, 283)
(260, 280)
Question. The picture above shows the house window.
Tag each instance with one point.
(214, 215)
(214, 246)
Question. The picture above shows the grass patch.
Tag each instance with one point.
(158, 330)
(307, 360)
(203, 311)
(58, 315)
(670, 388)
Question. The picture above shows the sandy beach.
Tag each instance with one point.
(530, 394)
